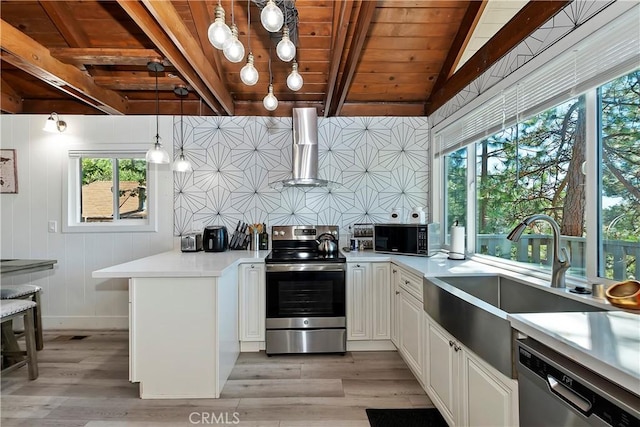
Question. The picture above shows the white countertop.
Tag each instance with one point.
(606, 342)
(182, 264)
(437, 265)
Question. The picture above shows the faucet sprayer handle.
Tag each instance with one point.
(566, 262)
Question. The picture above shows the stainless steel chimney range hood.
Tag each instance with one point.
(304, 152)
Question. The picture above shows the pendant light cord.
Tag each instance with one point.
(249, 25)
(270, 75)
(157, 111)
(181, 128)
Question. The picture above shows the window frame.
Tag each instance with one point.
(593, 173)
(72, 188)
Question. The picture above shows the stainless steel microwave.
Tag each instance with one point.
(406, 239)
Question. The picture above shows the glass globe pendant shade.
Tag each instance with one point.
(233, 49)
(50, 125)
(286, 50)
(272, 17)
(294, 80)
(157, 154)
(249, 73)
(182, 164)
(219, 32)
(270, 101)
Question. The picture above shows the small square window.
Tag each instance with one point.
(108, 191)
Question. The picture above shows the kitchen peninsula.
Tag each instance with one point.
(183, 321)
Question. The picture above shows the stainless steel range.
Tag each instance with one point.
(305, 291)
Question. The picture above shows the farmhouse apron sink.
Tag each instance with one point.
(474, 309)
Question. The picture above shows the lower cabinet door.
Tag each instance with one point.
(252, 302)
(441, 376)
(411, 332)
(486, 400)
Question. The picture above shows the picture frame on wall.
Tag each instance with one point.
(8, 171)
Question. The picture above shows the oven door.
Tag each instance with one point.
(305, 295)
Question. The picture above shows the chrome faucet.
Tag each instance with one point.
(560, 265)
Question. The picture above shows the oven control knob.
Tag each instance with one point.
(306, 322)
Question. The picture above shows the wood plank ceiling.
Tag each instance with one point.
(357, 57)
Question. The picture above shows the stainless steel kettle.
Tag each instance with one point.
(327, 243)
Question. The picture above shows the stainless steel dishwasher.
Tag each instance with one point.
(556, 391)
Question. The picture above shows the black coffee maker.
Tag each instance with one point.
(215, 238)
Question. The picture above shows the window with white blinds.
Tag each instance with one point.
(609, 52)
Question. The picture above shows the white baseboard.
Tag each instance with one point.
(382, 345)
(85, 322)
(251, 346)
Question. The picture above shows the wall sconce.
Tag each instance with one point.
(54, 124)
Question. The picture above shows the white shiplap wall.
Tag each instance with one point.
(71, 297)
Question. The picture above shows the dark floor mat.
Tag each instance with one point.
(410, 417)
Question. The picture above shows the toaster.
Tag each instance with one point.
(191, 243)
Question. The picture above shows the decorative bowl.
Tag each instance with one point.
(625, 294)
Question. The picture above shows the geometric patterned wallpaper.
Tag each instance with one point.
(380, 163)
(564, 22)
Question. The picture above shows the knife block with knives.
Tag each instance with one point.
(240, 238)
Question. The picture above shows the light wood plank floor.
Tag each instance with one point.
(84, 382)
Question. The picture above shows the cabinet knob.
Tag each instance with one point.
(456, 347)
(406, 282)
(252, 266)
(397, 292)
(450, 343)
(395, 271)
(358, 265)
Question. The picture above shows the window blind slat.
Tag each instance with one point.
(610, 52)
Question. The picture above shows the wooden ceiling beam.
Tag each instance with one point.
(105, 56)
(342, 14)
(202, 18)
(10, 100)
(362, 23)
(143, 18)
(525, 22)
(30, 56)
(467, 26)
(171, 22)
(59, 13)
(357, 109)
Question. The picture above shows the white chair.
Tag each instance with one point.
(9, 310)
(32, 293)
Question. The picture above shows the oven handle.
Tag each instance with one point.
(305, 267)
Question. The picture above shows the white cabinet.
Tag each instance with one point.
(441, 366)
(410, 331)
(408, 322)
(466, 390)
(252, 303)
(395, 304)
(368, 301)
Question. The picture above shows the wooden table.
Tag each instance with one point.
(11, 267)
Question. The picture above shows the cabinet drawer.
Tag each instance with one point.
(412, 283)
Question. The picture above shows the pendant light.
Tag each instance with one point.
(249, 74)
(182, 164)
(271, 17)
(270, 101)
(219, 32)
(294, 80)
(286, 50)
(157, 154)
(233, 49)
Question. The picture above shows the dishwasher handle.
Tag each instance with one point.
(568, 395)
